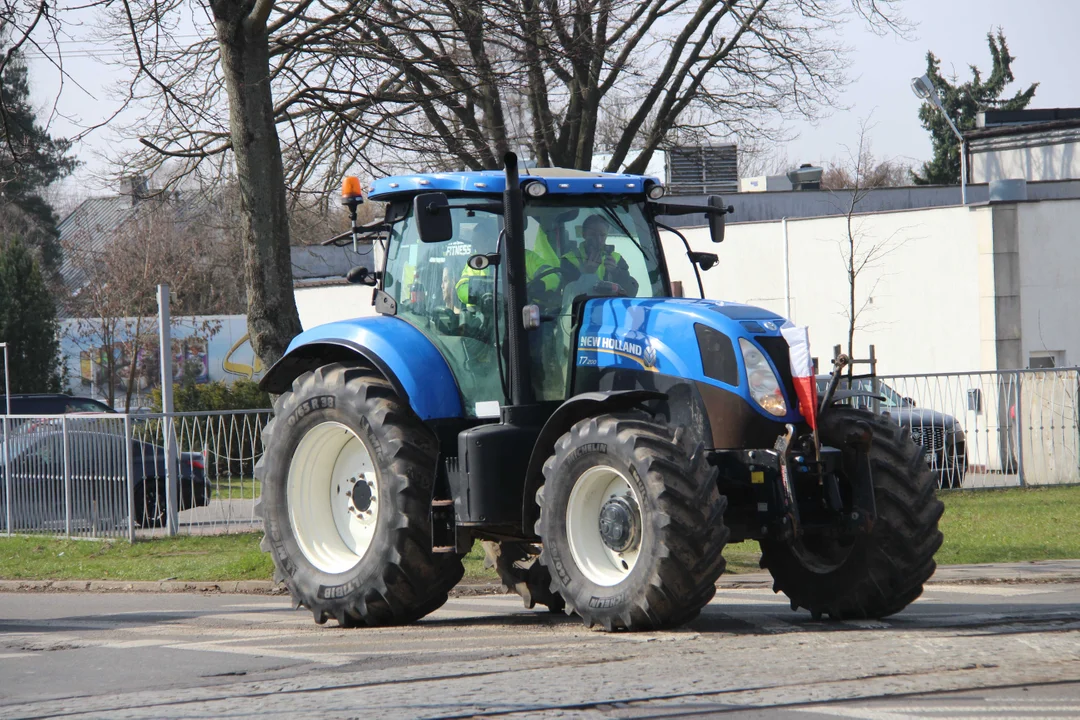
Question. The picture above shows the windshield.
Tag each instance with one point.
(601, 245)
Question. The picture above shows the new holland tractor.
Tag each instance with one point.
(530, 381)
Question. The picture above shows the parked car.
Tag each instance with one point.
(53, 404)
(97, 469)
(941, 436)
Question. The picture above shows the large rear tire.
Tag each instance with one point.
(875, 574)
(632, 524)
(347, 477)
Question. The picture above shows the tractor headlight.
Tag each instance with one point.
(764, 385)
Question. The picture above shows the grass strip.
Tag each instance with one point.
(980, 526)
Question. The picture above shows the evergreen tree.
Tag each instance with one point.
(30, 160)
(962, 102)
(27, 321)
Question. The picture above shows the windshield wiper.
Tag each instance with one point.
(622, 226)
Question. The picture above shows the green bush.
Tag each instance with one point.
(229, 443)
(240, 395)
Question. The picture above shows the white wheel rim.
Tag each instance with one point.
(330, 464)
(599, 563)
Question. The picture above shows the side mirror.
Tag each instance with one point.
(716, 219)
(360, 275)
(433, 221)
(704, 260)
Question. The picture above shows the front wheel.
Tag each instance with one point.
(878, 573)
(632, 524)
(346, 497)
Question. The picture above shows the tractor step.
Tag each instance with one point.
(442, 503)
(444, 549)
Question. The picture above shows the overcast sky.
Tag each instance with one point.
(1042, 34)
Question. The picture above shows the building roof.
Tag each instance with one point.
(1020, 129)
(93, 225)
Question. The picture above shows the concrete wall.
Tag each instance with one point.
(1060, 161)
(323, 303)
(1049, 239)
(919, 296)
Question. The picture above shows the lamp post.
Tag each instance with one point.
(925, 90)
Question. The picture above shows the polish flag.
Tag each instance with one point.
(802, 372)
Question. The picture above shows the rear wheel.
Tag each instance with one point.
(632, 524)
(346, 498)
(149, 505)
(878, 573)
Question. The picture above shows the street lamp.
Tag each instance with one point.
(925, 90)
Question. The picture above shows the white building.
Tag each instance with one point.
(1034, 145)
(982, 287)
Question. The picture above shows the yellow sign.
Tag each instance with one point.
(240, 368)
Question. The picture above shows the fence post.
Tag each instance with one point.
(164, 330)
(875, 384)
(1019, 428)
(130, 474)
(7, 479)
(67, 476)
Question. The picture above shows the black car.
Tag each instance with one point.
(97, 472)
(940, 435)
(52, 404)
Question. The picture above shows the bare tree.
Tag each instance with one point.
(314, 88)
(877, 174)
(861, 249)
(449, 84)
(113, 283)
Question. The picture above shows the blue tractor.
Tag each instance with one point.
(530, 381)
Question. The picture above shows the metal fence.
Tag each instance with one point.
(142, 475)
(145, 475)
(991, 429)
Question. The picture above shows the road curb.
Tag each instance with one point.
(1044, 571)
(234, 587)
(242, 587)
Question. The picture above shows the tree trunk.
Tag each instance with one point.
(245, 62)
(133, 371)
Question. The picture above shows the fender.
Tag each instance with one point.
(403, 354)
(577, 408)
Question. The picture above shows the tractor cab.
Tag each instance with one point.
(583, 235)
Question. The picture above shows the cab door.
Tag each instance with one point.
(456, 307)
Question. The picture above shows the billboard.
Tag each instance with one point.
(204, 349)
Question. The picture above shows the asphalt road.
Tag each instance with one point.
(960, 651)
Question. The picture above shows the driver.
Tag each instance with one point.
(595, 256)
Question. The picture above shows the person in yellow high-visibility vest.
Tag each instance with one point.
(595, 256)
(537, 261)
(541, 269)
